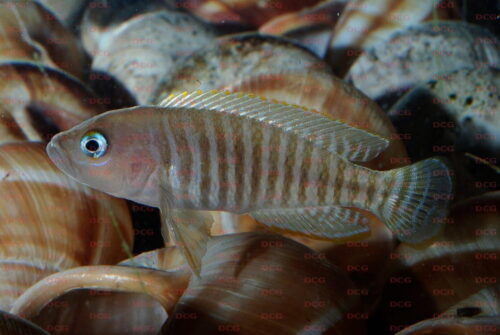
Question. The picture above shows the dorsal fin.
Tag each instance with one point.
(335, 136)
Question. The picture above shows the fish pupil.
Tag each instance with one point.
(92, 145)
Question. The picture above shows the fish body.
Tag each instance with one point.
(215, 162)
(288, 167)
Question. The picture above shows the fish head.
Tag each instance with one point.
(111, 152)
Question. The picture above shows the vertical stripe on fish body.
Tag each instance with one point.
(293, 168)
(223, 162)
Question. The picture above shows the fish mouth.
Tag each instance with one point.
(54, 151)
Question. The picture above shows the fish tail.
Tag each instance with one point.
(417, 203)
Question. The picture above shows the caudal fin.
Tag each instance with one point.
(418, 203)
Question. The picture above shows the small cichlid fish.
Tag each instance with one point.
(287, 166)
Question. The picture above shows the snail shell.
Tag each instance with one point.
(237, 57)
(311, 26)
(257, 283)
(368, 23)
(103, 16)
(91, 299)
(143, 50)
(434, 277)
(244, 276)
(37, 101)
(420, 53)
(33, 33)
(248, 12)
(49, 223)
(459, 109)
(329, 95)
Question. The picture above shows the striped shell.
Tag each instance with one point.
(247, 12)
(110, 300)
(49, 222)
(37, 101)
(330, 95)
(341, 30)
(255, 283)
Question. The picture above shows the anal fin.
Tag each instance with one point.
(327, 222)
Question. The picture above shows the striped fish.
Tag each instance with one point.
(287, 166)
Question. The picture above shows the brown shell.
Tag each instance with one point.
(89, 300)
(249, 12)
(330, 95)
(49, 223)
(245, 281)
(325, 13)
(37, 101)
(11, 324)
(237, 57)
(464, 260)
(33, 33)
(256, 283)
(311, 26)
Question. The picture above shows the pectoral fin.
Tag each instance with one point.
(190, 230)
(328, 222)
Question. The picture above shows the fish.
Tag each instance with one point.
(287, 166)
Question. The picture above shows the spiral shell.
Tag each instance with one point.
(90, 300)
(256, 283)
(37, 101)
(49, 222)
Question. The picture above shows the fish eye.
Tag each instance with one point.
(94, 144)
